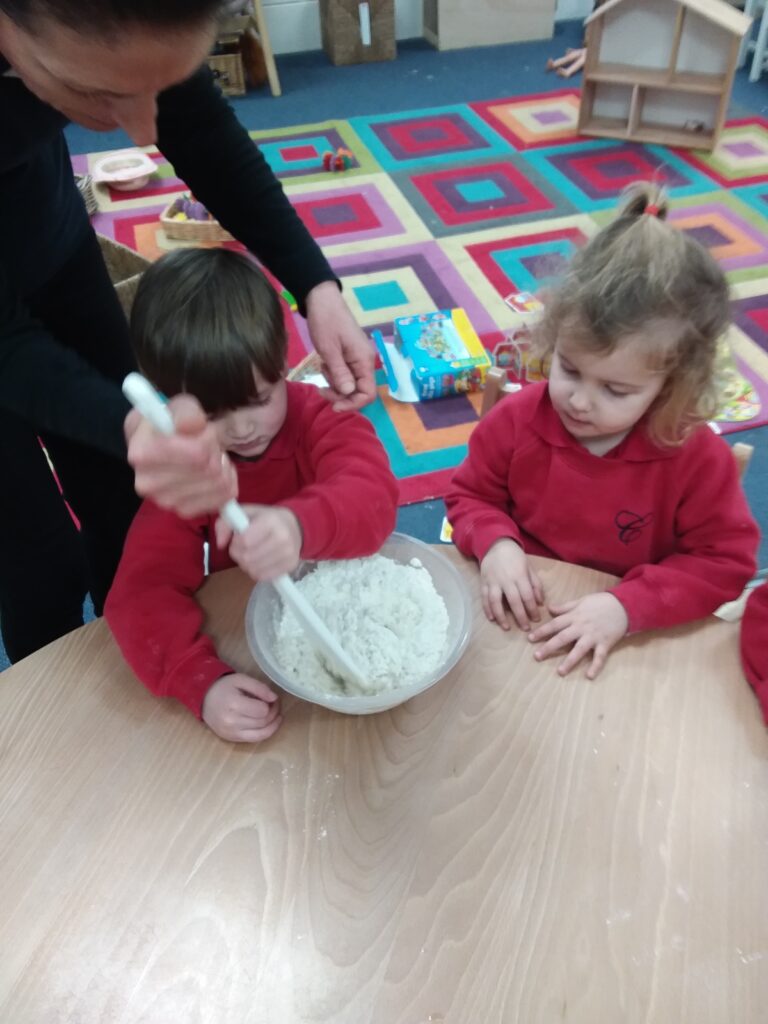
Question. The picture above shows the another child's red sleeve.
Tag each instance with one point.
(152, 610)
(478, 500)
(350, 507)
(754, 645)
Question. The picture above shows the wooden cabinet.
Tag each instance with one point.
(239, 38)
(453, 24)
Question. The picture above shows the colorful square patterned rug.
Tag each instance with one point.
(461, 205)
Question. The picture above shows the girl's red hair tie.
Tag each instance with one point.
(652, 209)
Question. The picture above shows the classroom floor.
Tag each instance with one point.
(421, 77)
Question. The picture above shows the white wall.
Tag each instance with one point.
(294, 25)
(573, 9)
(639, 34)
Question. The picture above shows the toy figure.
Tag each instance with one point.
(186, 207)
(341, 160)
(574, 58)
(468, 380)
(569, 64)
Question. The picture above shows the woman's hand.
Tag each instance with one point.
(348, 356)
(186, 472)
(506, 575)
(593, 624)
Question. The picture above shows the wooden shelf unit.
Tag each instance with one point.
(606, 127)
(664, 135)
(227, 63)
(664, 78)
(699, 98)
(633, 127)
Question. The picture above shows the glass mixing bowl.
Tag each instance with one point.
(265, 604)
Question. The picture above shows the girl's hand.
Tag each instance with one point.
(187, 472)
(269, 547)
(505, 573)
(241, 709)
(593, 623)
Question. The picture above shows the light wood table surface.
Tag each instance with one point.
(510, 847)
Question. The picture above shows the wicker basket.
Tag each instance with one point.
(228, 72)
(125, 269)
(341, 27)
(193, 230)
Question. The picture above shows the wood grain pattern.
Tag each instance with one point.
(509, 847)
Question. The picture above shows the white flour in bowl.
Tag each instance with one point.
(387, 616)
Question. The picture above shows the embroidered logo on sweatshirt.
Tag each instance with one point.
(631, 524)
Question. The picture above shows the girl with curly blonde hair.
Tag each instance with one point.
(610, 462)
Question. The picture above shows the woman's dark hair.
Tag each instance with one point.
(202, 321)
(99, 17)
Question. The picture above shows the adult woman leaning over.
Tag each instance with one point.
(138, 65)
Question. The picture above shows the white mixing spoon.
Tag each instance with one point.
(153, 407)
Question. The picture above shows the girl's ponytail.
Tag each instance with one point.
(644, 199)
(641, 278)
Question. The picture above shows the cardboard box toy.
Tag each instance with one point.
(446, 354)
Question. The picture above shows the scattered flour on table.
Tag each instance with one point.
(387, 616)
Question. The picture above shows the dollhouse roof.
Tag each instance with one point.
(717, 11)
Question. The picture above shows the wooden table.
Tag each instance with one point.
(510, 847)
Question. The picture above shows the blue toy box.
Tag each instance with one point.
(447, 356)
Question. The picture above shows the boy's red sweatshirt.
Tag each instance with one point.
(754, 645)
(328, 467)
(672, 522)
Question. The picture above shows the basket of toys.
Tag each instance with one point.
(228, 71)
(125, 268)
(187, 220)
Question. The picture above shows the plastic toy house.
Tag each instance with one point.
(660, 71)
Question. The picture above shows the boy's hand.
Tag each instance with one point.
(505, 573)
(269, 547)
(593, 623)
(187, 472)
(241, 709)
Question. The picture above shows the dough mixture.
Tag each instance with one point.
(387, 616)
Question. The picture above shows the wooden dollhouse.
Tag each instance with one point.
(660, 71)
